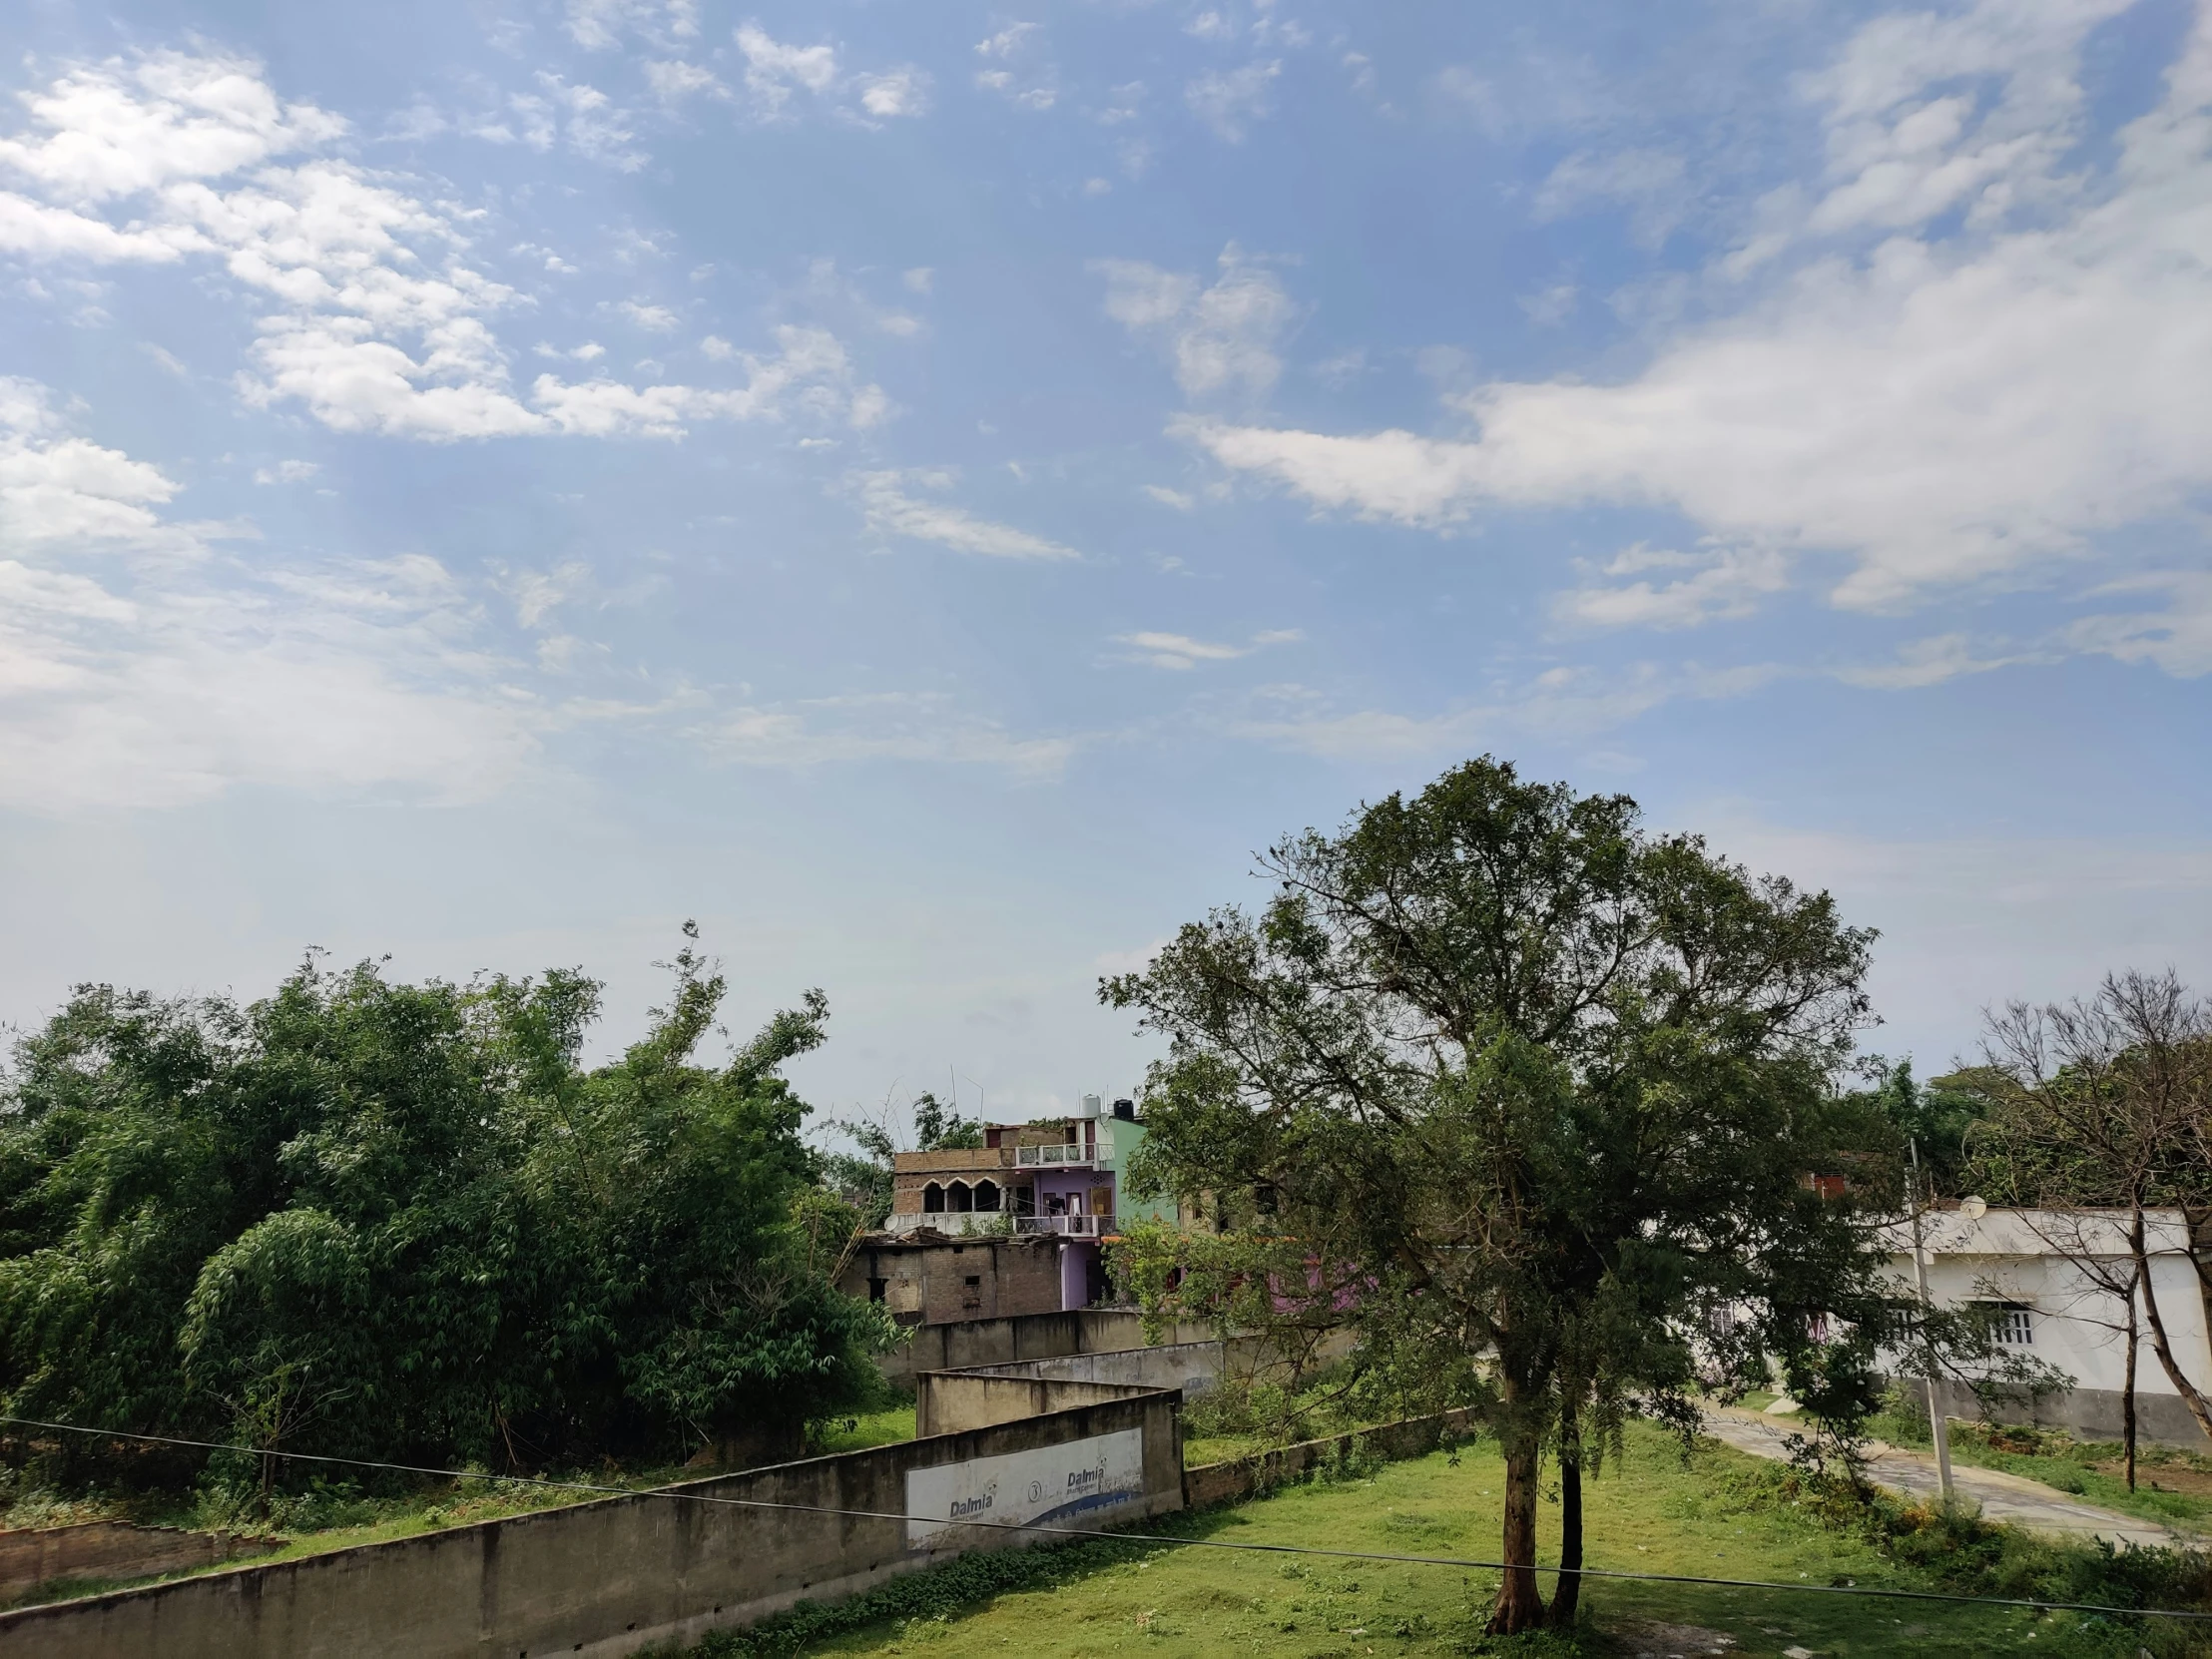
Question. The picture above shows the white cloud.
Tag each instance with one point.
(1929, 662)
(1537, 93)
(1039, 97)
(378, 322)
(1560, 702)
(597, 25)
(1220, 339)
(57, 489)
(890, 509)
(287, 472)
(539, 593)
(919, 279)
(1037, 89)
(658, 319)
(1549, 306)
(1180, 501)
(774, 69)
(1652, 184)
(901, 92)
(2177, 639)
(1180, 650)
(674, 79)
(892, 725)
(1231, 102)
(1723, 582)
(174, 672)
(810, 373)
(116, 130)
(1006, 42)
(1941, 409)
(595, 128)
(1911, 132)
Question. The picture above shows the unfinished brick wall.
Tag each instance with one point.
(930, 1284)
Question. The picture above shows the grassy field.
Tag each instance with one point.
(1724, 1515)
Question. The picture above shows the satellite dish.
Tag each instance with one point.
(1974, 1209)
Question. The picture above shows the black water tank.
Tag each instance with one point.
(1126, 1110)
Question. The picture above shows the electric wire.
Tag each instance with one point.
(1120, 1536)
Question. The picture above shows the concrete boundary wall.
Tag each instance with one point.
(601, 1578)
(112, 1549)
(957, 1401)
(2087, 1413)
(1212, 1483)
(948, 1401)
(1020, 1337)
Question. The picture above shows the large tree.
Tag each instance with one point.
(386, 1220)
(1534, 1097)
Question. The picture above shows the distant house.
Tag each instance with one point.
(2052, 1279)
(1034, 1199)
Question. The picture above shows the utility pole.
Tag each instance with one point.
(1927, 1364)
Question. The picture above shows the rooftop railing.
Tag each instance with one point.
(1074, 1227)
(1072, 1153)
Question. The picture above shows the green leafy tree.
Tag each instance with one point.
(405, 1221)
(1936, 1117)
(1532, 1097)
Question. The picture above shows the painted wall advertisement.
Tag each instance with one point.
(1056, 1485)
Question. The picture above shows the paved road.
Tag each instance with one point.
(2003, 1498)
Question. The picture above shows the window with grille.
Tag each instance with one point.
(2011, 1322)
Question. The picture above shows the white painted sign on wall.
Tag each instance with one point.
(1053, 1484)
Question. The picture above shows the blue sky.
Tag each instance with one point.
(928, 489)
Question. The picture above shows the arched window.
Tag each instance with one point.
(987, 1195)
(962, 1199)
(933, 1198)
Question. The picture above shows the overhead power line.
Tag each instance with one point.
(1116, 1535)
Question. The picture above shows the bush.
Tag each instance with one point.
(1903, 1419)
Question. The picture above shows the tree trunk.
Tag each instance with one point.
(2192, 1397)
(1520, 1602)
(1567, 1597)
(2127, 1389)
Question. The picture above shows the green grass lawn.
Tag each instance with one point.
(858, 1434)
(1723, 1515)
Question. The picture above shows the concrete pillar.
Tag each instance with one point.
(1076, 1276)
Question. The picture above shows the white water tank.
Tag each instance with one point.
(1089, 1108)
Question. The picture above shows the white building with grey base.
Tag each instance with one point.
(2057, 1280)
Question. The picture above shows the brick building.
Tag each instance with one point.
(1050, 1188)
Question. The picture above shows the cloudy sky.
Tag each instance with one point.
(927, 489)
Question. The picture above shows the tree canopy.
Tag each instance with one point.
(407, 1222)
(1536, 1098)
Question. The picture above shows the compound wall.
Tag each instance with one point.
(616, 1575)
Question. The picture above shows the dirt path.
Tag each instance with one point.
(2003, 1498)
